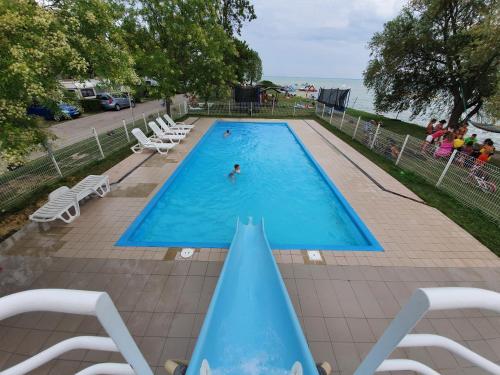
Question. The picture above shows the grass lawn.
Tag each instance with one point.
(116, 149)
(12, 220)
(396, 126)
(473, 221)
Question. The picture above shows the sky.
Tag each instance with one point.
(316, 38)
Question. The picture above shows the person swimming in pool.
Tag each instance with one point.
(234, 172)
(227, 133)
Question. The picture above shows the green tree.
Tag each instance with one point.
(247, 63)
(435, 53)
(182, 45)
(254, 67)
(40, 44)
(233, 13)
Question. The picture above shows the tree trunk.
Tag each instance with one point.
(456, 113)
(474, 111)
(167, 106)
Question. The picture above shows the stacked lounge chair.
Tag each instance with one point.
(150, 143)
(165, 136)
(64, 203)
(170, 130)
(177, 125)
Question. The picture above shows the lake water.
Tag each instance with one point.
(361, 98)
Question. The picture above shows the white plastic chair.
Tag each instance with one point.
(160, 134)
(62, 204)
(167, 129)
(92, 184)
(177, 125)
(146, 143)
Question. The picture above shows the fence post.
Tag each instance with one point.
(131, 108)
(146, 122)
(48, 147)
(208, 109)
(331, 115)
(229, 106)
(98, 143)
(294, 110)
(375, 136)
(342, 121)
(272, 110)
(186, 107)
(355, 129)
(402, 148)
(126, 131)
(323, 112)
(180, 110)
(450, 160)
(251, 109)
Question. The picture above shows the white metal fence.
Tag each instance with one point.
(61, 161)
(475, 185)
(283, 108)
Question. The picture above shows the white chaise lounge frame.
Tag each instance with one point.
(160, 134)
(150, 144)
(169, 130)
(63, 202)
(177, 125)
(92, 184)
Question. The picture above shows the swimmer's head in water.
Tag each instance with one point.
(237, 168)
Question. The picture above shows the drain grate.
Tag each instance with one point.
(314, 255)
(187, 252)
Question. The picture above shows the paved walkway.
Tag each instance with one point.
(344, 301)
(69, 132)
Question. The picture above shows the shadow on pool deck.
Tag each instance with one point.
(343, 310)
(344, 303)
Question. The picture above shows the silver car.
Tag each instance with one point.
(115, 101)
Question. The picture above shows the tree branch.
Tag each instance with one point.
(474, 111)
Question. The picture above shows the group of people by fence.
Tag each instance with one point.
(471, 153)
(447, 140)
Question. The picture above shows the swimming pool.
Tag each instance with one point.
(280, 181)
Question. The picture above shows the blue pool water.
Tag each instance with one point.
(280, 181)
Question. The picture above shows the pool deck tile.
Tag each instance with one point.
(344, 303)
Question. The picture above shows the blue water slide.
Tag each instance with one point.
(251, 327)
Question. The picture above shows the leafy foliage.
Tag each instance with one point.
(436, 53)
(247, 63)
(187, 46)
(233, 13)
(42, 42)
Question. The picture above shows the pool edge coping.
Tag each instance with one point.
(374, 244)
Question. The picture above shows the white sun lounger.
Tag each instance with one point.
(167, 129)
(147, 143)
(92, 184)
(160, 134)
(64, 202)
(177, 125)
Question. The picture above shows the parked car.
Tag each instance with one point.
(115, 101)
(66, 111)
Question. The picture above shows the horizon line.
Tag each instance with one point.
(286, 76)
